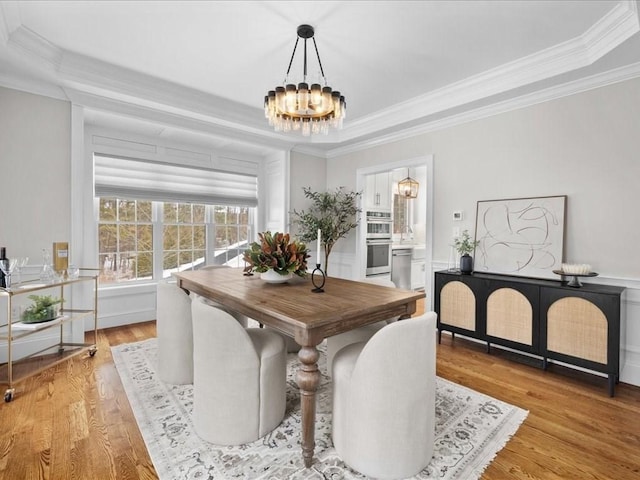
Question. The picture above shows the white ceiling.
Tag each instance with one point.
(198, 71)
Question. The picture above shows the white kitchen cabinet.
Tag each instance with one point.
(377, 195)
(417, 274)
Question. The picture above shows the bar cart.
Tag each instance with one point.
(12, 328)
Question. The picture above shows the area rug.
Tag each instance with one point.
(471, 428)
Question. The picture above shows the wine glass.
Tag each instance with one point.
(7, 267)
(20, 264)
(73, 272)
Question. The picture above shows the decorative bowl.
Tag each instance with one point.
(271, 276)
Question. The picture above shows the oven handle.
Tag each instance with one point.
(381, 241)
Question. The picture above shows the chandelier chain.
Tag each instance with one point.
(319, 62)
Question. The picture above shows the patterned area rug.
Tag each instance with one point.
(470, 429)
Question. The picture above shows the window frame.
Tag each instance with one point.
(158, 224)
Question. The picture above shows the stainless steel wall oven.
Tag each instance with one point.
(379, 226)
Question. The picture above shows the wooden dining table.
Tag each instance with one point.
(309, 317)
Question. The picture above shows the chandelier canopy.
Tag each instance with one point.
(310, 109)
(408, 187)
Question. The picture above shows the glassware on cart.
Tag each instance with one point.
(21, 263)
(47, 275)
(73, 272)
(7, 267)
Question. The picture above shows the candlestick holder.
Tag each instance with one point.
(247, 273)
(319, 278)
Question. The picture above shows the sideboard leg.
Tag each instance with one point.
(612, 384)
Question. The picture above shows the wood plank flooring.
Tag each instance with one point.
(74, 420)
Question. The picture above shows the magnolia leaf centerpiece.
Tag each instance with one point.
(277, 252)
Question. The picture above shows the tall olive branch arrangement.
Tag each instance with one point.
(335, 213)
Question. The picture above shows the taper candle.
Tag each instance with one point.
(318, 250)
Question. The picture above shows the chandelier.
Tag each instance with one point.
(408, 187)
(308, 109)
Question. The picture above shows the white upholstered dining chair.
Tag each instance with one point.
(384, 400)
(361, 334)
(292, 346)
(175, 335)
(243, 319)
(239, 378)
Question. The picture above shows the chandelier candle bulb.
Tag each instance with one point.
(303, 96)
(316, 95)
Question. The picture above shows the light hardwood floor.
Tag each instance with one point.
(74, 420)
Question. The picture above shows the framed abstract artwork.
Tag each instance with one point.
(521, 236)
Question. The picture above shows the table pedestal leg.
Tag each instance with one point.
(308, 380)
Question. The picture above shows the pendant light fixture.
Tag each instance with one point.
(310, 109)
(408, 187)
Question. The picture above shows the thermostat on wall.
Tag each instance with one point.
(457, 216)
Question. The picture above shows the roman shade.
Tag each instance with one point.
(157, 181)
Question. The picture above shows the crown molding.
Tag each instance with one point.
(9, 19)
(175, 119)
(558, 91)
(607, 33)
(89, 74)
(30, 85)
(620, 23)
(38, 48)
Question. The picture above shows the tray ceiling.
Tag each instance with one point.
(203, 68)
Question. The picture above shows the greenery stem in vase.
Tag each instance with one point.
(335, 214)
(43, 308)
(465, 245)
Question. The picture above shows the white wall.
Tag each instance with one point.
(35, 170)
(305, 171)
(585, 146)
(35, 152)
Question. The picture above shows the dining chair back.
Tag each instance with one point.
(175, 335)
(384, 400)
(360, 334)
(239, 378)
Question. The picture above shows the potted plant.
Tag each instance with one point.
(43, 309)
(333, 213)
(276, 257)
(464, 244)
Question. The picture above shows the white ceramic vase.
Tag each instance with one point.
(271, 276)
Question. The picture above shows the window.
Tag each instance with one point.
(231, 234)
(127, 229)
(125, 240)
(183, 237)
(174, 218)
(400, 214)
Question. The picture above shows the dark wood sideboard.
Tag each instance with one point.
(544, 318)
